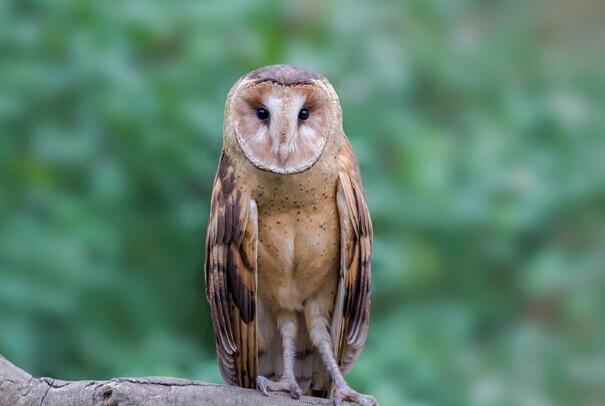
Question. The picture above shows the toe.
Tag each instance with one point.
(261, 384)
(352, 396)
(266, 385)
(367, 400)
(295, 391)
(339, 397)
(363, 400)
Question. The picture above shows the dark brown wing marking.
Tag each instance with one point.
(230, 274)
(352, 312)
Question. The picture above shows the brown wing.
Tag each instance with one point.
(352, 309)
(230, 273)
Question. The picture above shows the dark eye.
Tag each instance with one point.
(303, 114)
(262, 113)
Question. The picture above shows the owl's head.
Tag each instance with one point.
(282, 117)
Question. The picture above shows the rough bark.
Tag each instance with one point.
(17, 387)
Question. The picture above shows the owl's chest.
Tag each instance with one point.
(298, 249)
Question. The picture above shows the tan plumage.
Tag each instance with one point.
(289, 242)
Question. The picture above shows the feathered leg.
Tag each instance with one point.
(317, 323)
(287, 325)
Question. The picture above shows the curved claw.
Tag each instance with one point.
(295, 391)
(261, 384)
(266, 385)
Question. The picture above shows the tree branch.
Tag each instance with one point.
(17, 387)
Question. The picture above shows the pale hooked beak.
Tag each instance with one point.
(283, 154)
(284, 143)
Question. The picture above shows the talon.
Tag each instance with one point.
(290, 386)
(295, 391)
(348, 394)
(261, 384)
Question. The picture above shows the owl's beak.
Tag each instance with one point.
(283, 153)
(283, 144)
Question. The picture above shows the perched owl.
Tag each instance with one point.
(289, 240)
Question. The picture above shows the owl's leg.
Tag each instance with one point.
(287, 326)
(316, 318)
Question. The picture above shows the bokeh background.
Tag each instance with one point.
(480, 130)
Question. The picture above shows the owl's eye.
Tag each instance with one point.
(303, 114)
(262, 113)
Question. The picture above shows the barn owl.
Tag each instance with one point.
(289, 239)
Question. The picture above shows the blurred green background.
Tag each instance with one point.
(480, 129)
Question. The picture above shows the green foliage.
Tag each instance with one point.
(479, 128)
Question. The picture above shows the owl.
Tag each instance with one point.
(289, 240)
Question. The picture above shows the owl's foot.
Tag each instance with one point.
(344, 393)
(284, 385)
